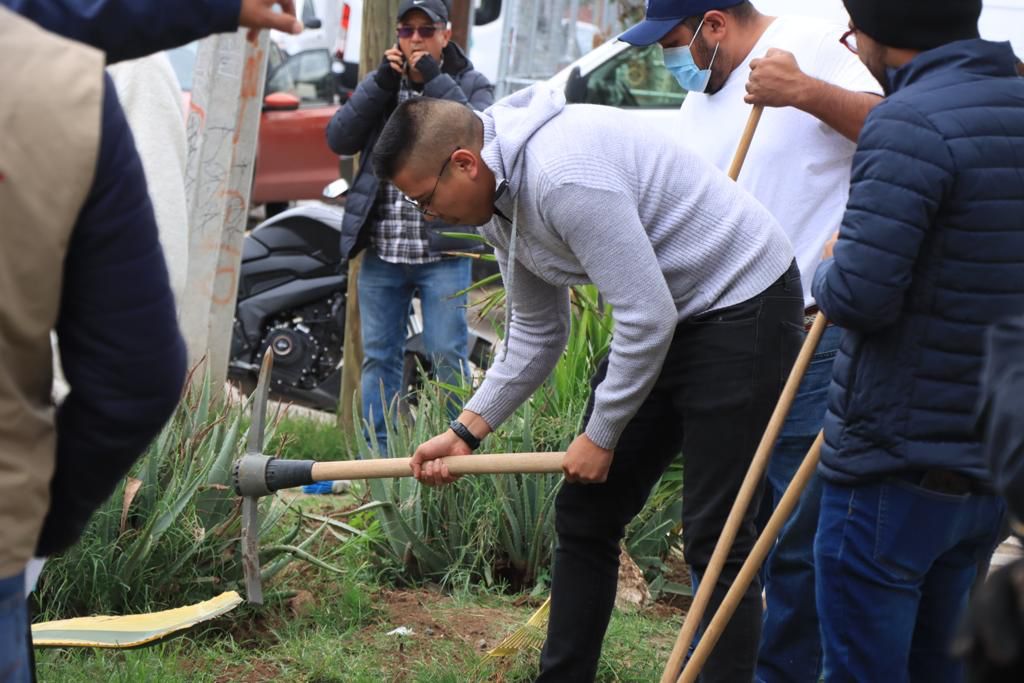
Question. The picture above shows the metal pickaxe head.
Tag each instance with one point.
(252, 474)
(256, 475)
(250, 500)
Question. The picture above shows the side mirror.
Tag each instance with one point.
(280, 101)
(313, 23)
(335, 190)
(576, 87)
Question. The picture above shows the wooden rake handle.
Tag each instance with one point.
(495, 463)
(764, 544)
(746, 493)
(748, 134)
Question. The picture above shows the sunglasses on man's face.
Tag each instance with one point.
(426, 32)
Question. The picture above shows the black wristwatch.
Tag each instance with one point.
(462, 431)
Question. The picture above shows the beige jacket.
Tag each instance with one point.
(50, 116)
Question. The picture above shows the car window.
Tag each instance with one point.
(275, 57)
(308, 12)
(183, 61)
(307, 75)
(637, 78)
(486, 11)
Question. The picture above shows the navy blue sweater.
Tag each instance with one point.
(126, 29)
(120, 347)
(930, 253)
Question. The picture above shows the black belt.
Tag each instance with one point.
(810, 313)
(944, 481)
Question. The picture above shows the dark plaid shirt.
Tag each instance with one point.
(399, 231)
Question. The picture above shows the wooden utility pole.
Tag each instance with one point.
(462, 22)
(223, 122)
(379, 19)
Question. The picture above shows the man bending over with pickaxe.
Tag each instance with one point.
(708, 312)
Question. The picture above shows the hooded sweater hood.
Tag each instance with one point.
(508, 127)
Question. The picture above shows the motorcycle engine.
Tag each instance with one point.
(306, 342)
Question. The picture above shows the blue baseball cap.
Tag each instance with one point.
(661, 16)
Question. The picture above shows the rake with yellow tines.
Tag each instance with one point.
(529, 636)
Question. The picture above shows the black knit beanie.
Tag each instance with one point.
(915, 24)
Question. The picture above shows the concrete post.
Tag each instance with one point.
(223, 124)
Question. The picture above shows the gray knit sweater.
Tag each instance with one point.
(599, 199)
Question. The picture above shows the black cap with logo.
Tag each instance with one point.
(437, 10)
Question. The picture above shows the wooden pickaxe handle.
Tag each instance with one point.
(257, 475)
(496, 463)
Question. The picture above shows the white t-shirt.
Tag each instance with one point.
(798, 167)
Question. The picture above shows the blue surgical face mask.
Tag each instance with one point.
(679, 61)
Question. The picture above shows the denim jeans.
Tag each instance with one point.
(894, 564)
(790, 639)
(716, 390)
(15, 652)
(385, 294)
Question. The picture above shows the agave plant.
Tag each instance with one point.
(169, 533)
(501, 528)
(498, 529)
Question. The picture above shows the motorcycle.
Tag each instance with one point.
(291, 299)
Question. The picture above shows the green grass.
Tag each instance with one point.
(341, 636)
(303, 438)
(328, 617)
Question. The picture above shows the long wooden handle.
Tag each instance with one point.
(494, 463)
(753, 562)
(748, 134)
(750, 483)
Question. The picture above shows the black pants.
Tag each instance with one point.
(716, 391)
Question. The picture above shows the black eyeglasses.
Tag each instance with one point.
(849, 40)
(422, 206)
(426, 32)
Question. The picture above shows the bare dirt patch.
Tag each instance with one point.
(430, 615)
(254, 672)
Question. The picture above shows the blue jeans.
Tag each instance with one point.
(790, 642)
(15, 655)
(385, 294)
(894, 565)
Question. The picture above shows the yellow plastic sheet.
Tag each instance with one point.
(131, 630)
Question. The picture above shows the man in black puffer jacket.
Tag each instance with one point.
(930, 253)
(404, 245)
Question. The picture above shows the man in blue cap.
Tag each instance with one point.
(728, 55)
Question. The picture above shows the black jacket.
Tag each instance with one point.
(357, 125)
(1002, 410)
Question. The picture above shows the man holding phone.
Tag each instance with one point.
(404, 247)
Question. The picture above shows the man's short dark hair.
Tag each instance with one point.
(742, 13)
(422, 128)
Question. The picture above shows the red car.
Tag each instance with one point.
(292, 157)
